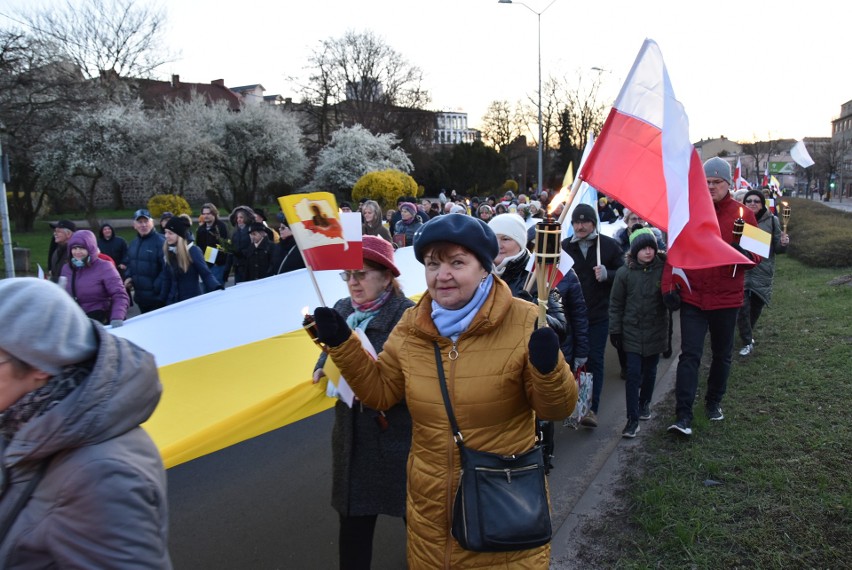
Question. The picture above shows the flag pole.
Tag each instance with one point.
(599, 245)
(316, 285)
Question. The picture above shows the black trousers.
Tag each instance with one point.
(694, 326)
(355, 540)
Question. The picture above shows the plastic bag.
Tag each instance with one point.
(584, 398)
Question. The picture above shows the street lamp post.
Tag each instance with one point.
(540, 130)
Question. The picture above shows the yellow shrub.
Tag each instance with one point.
(509, 185)
(385, 186)
(160, 203)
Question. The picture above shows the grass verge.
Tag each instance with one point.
(768, 487)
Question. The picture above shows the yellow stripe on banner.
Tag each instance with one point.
(756, 240)
(221, 399)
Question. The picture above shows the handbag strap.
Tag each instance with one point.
(457, 436)
(21, 500)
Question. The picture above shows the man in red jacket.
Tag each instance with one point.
(709, 303)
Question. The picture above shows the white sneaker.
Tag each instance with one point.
(747, 349)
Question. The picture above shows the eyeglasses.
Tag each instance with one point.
(755, 201)
(715, 182)
(358, 275)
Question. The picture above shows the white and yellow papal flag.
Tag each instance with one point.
(756, 240)
(236, 363)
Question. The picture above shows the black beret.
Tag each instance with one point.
(466, 231)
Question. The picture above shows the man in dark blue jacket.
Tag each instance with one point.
(145, 261)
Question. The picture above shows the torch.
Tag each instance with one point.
(548, 234)
(739, 224)
(310, 326)
(785, 216)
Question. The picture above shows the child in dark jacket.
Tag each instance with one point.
(638, 323)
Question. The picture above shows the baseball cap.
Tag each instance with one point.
(65, 224)
(142, 213)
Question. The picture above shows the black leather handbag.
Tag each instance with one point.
(501, 502)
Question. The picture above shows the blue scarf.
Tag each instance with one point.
(451, 323)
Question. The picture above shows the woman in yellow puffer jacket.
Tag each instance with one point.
(500, 370)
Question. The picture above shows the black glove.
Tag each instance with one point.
(740, 249)
(332, 329)
(672, 300)
(544, 349)
(616, 339)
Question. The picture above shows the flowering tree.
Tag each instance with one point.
(353, 152)
(97, 145)
(259, 146)
(184, 152)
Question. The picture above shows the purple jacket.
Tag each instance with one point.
(96, 286)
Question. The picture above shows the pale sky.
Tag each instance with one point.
(748, 70)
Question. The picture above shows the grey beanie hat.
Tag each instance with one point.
(42, 325)
(718, 168)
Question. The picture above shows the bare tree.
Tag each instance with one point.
(104, 35)
(761, 152)
(584, 111)
(359, 79)
(829, 161)
(499, 125)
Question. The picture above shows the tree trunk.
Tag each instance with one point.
(117, 197)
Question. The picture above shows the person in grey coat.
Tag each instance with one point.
(758, 281)
(369, 448)
(83, 485)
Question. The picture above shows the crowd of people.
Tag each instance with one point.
(510, 358)
(167, 262)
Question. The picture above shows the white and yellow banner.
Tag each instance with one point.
(236, 363)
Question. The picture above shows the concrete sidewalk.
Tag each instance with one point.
(608, 463)
(569, 537)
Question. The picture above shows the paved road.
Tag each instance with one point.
(264, 503)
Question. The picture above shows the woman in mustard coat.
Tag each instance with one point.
(501, 372)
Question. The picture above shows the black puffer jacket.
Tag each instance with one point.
(145, 264)
(576, 343)
(515, 276)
